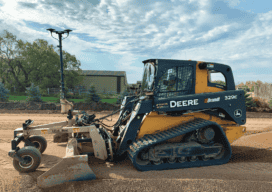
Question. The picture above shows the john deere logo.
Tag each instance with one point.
(238, 113)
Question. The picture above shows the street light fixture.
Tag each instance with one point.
(61, 62)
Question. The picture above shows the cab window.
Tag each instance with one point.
(185, 79)
(176, 81)
(216, 79)
(167, 81)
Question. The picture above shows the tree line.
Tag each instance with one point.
(23, 63)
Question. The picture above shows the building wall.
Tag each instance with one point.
(104, 84)
(123, 84)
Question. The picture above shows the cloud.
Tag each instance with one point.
(246, 47)
(130, 26)
(207, 30)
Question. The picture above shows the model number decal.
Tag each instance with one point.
(230, 97)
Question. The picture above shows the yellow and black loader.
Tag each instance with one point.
(179, 120)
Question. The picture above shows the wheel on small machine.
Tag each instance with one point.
(32, 157)
(39, 142)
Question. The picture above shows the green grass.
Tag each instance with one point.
(17, 98)
(112, 101)
(56, 100)
(23, 99)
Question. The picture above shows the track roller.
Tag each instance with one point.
(193, 158)
(171, 160)
(182, 159)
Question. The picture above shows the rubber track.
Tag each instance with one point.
(148, 141)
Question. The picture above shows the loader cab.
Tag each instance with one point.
(167, 78)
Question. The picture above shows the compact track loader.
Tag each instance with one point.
(179, 120)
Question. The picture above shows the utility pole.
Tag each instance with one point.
(62, 91)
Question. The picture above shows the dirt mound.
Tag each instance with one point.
(259, 110)
(261, 103)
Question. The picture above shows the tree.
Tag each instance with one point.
(4, 93)
(219, 82)
(249, 100)
(33, 94)
(40, 62)
(91, 96)
(35, 62)
(46, 62)
(73, 73)
(9, 67)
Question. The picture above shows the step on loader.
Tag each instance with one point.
(180, 119)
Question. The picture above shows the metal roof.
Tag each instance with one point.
(104, 73)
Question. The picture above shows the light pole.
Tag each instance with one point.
(62, 96)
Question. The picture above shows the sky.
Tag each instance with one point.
(117, 35)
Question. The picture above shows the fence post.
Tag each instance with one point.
(48, 91)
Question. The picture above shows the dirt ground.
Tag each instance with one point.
(249, 169)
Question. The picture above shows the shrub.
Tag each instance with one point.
(4, 93)
(262, 103)
(33, 94)
(56, 95)
(109, 95)
(70, 96)
(91, 96)
(121, 97)
(44, 93)
(67, 95)
(249, 100)
(77, 96)
(18, 94)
